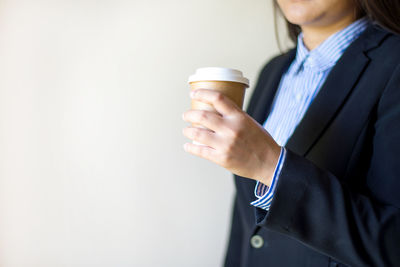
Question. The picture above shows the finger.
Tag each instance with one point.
(208, 119)
(203, 136)
(220, 102)
(204, 152)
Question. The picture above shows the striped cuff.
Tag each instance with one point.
(264, 193)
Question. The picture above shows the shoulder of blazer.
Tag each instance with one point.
(386, 49)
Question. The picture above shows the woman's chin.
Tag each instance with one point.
(300, 13)
(298, 20)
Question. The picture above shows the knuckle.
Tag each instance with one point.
(230, 148)
(241, 119)
(203, 115)
(196, 133)
(218, 97)
(234, 134)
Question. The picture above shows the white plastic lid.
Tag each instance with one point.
(218, 74)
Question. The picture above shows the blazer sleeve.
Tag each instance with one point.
(314, 207)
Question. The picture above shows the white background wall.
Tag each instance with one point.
(92, 170)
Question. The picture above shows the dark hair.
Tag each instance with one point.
(385, 13)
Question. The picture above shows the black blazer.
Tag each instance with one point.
(338, 197)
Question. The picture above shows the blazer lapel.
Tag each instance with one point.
(334, 92)
(260, 108)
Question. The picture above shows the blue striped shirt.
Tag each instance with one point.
(298, 88)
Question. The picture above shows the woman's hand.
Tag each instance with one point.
(232, 139)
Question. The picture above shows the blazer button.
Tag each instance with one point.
(256, 241)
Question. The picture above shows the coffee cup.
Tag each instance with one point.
(229, 82)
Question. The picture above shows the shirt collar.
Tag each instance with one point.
(329, 51)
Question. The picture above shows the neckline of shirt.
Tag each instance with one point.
(329, 51)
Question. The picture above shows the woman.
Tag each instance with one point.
(316, 160)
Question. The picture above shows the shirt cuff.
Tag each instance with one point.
(264, 193)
